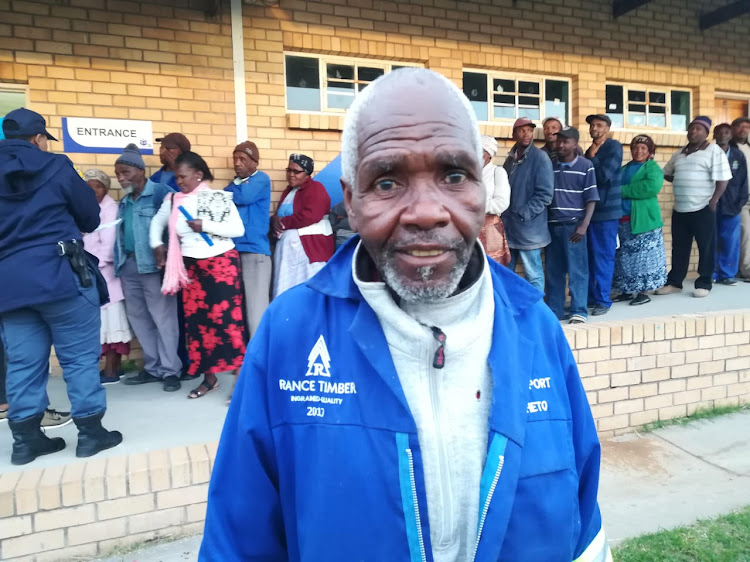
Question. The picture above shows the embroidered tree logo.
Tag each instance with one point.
(318, 361)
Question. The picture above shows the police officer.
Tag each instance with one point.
(49, 295)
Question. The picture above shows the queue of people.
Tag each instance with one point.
(570, 201)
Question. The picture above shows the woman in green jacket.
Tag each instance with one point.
(641, 261)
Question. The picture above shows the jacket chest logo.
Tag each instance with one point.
(318, 360)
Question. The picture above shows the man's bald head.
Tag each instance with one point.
(396, 95)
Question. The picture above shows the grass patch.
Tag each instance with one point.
(724, 539)
(702, 414)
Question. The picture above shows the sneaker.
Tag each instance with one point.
(700, 293)
(141, 378)
(4, 415)
(730, 281)
(172, 383)
(641, 298)
(53, 418)
(667, 290)
(622, 297)
(108, 380)
(599, 310)
(577, 319)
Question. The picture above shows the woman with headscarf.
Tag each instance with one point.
(202, 261)
(115, 329)
(301, 224)
(497, 189)
(640, 261)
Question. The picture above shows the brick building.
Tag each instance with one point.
(171, 62)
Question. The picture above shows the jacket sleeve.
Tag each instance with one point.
(159, 223)
(247, 194)
(647, 185)
(543, 190)
(244, 517)
(79, 198)
(591, 544)
(608, 166)
(742, 192)
(233, 227)
(314, 204)
(500, 198)
(106, 237)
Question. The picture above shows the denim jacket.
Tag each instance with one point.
(144, 209)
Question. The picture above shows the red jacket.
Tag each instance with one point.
(311, 205)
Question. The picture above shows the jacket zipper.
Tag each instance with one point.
(413, 482)
(486, 507)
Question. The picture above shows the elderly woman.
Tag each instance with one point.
(640, 261)
(302, 227)
(115, 330)
(497, 188)
(203, 262)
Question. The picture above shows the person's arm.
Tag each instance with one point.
(647, 185)
(669, 168)
(314, 205)
(501, 195)
(244, 519)
(156, 231)
(742, 194)
(249, 194)
(107, 237)
(543, 191)
(608, 164)
(80, 199)
(583, 226)
(721, 173)
(721, 187)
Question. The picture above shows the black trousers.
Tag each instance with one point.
(701, 226)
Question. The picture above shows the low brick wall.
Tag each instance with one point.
(634, 372)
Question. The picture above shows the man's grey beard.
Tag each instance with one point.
(412, 293)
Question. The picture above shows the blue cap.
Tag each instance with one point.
(23, 123)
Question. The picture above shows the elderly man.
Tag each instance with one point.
(49, 292)
(172, 145)
(606, 155)
(531, 185)
(740, 130)
(152, 315)
(699, 173)
(438, 414)
(251, 193)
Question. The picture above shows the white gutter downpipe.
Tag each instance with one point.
(238, 60)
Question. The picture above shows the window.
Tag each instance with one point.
(329, 84)
(639, 107)
(11, 97)
(505, 97)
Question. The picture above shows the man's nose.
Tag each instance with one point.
(426, 208)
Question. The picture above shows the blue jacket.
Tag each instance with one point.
(172, 183)
(253, 200)
(532, 184)
(43, 200)
(319, 457)
(144, 209)
(736, 194)
(608, 167)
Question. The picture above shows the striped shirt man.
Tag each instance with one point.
(575, 185)
(695, 176)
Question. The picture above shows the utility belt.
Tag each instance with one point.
(74, 251)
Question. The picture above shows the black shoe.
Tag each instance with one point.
(622, 297)
(731, 281)
(93, 438)
(185, 377)
(30, 442)
(141, 378)
(599, 309)
(172, 384)
(640, 298)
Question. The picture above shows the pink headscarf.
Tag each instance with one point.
(175, 274)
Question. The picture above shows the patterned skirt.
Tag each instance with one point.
(492, 237)
(214, 329)
(640, 261)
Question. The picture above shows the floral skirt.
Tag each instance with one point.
(214, 329)
(640, 261)
(492, 237)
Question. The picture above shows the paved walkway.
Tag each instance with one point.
(661, 480)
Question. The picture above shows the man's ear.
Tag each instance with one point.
(36, 140)
(351, 214)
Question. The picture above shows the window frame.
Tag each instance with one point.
(541, 79)
(648, 89)
(323, 62)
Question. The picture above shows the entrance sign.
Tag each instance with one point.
(106, 136)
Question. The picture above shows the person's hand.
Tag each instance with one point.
(160, 255)
(276, 226)
(578, 234)
(196, 225)
(170, 158)
(712, 205)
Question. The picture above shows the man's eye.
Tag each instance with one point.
(385, 185)
(455, 177)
